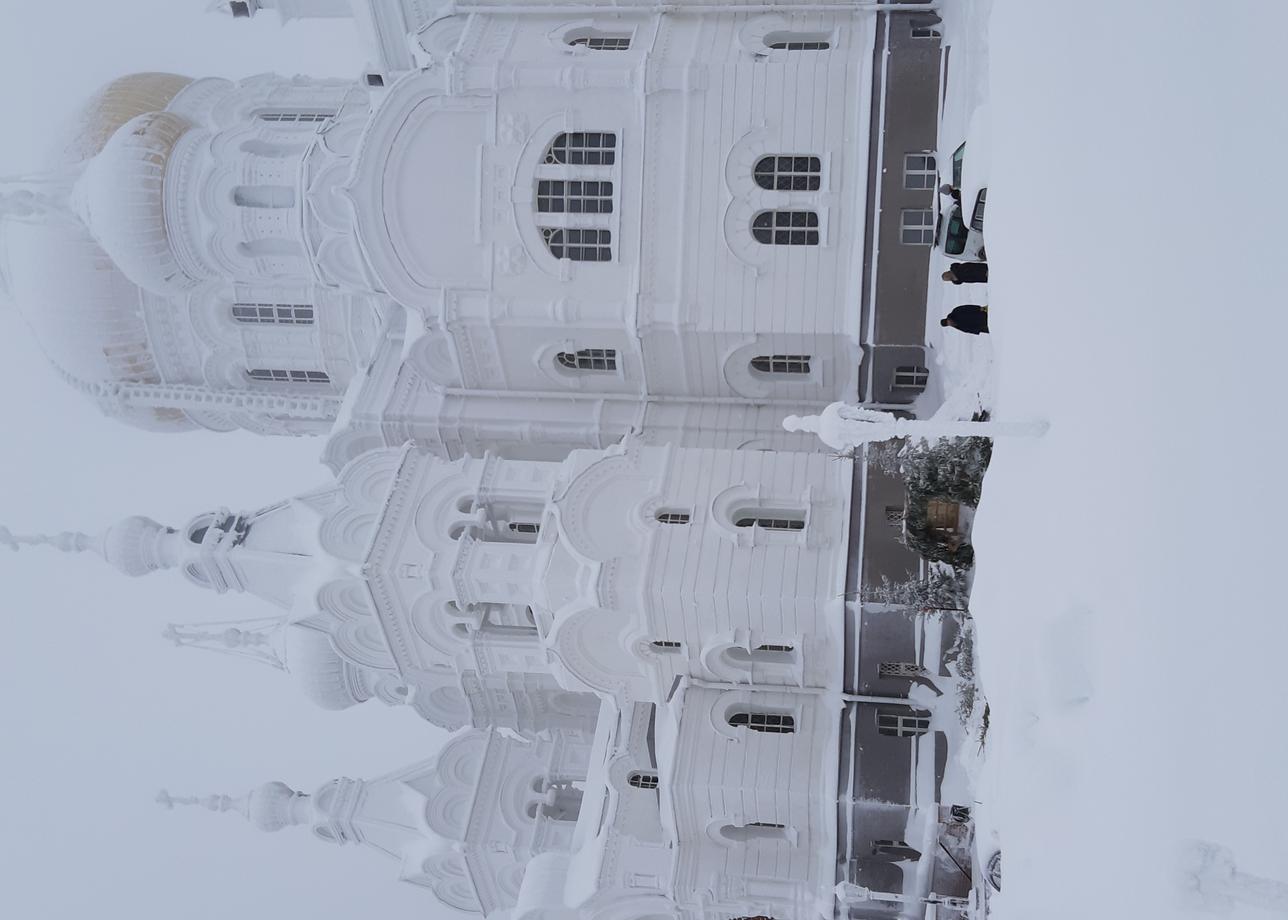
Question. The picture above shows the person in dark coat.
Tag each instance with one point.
(970, 318)
(967, 273)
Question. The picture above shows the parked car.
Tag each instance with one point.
(956, 235)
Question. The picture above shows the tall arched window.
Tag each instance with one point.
(583, 148)
(798, 41)
(764, 653)
(595, 40)
(588, 359)
(786, 228)
(274, 314)
(769, 519)
(754, 830)
(264, 196)
(280, 375)
(579, 244)
(775, 723)
(642, 780)
(781, 364)
(672, 517)
(789, 173)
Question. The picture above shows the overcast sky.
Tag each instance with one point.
(97, 713)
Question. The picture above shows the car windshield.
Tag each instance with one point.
(955, 235)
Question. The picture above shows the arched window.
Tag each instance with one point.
(640, 780)
(672, 517)
(596, 40)
(755, 830)
(579, 244)
(781, 364)
(588, 359)
(786, 228)
(264, 196)
(583, 148)
(294, 117)
(665, 645)
(525, 527)
(274, 314)
(908, 723)
(798, 41)
(764, 653)
(557, 196)
(789, 173)
(767, 519)
(776, 723)
(198, 535)
(279, 375)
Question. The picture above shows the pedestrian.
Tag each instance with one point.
(970, 318)
(954, 193)
(967, 273)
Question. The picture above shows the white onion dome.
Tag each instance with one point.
(275, 805)
(326, 679)
(137, 546)
(121, 199)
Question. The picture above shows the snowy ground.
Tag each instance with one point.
(1130, 620)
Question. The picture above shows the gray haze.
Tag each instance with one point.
(96, 712)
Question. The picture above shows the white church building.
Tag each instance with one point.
(547, 278)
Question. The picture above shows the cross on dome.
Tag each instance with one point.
(269, 807)
(134, 545)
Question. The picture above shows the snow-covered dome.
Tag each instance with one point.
(135, 545)
(121, 199)
(326, 678)
(275, 805)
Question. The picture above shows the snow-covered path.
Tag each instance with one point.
(1131, 619)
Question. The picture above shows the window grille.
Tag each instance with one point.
(924, 31)
(602, 41)
(786, 228)
(903, 724)
(524, 527)
(665, 644)
(583, 148)
(769, 520)
(579, 245)
(278, 375)
(673, 517)
(899, 669)
(781, 364)
(797, 41)
(295, 118)
(919, 171)
(911, 377)
(274, 314)
(588, 359)
(772, 648)
(557, 196)
(787, 173)
(642, 780)
(917, 227)
(771, 722)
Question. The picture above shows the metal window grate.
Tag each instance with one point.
(642, 780)
(787, 649)
(602, 42)
(781, 364)
(900, 669)
(903, 724)
(557, 196)
(673, 517)
(588, 359)
(911, 377)
(579, 245)
(767, 522)
(917, 227)
(786, 228)
(279, 375)
(919, 171)
(665, 644)
(789, 173)
(583, 148)
(788, 45)
(274, 314)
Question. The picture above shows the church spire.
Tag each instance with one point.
(258, 639)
